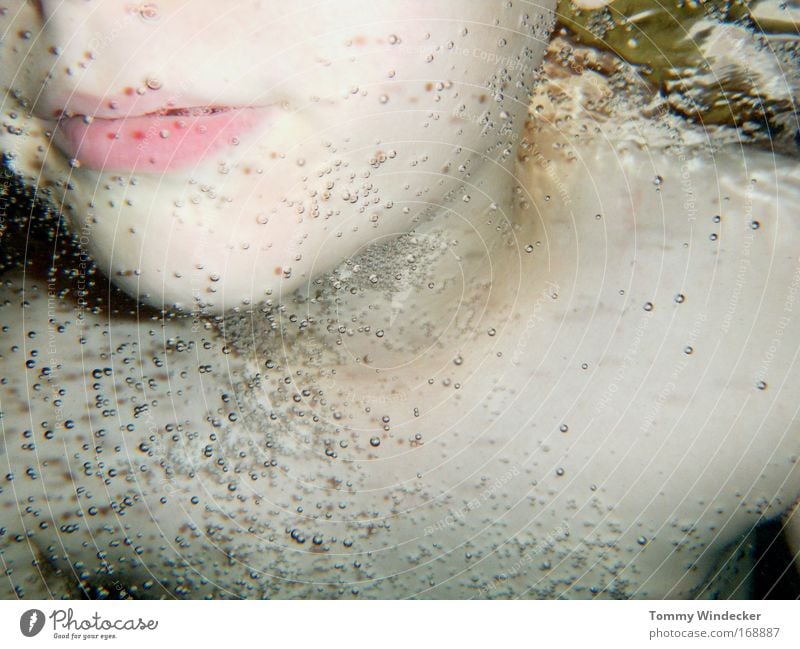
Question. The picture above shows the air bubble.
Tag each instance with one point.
(148, 11)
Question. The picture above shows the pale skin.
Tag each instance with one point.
(462, 383)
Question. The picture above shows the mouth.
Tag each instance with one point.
(165, 140)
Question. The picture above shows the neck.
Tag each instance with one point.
(413, 298)
(376, 337)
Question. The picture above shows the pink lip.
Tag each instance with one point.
(155, 142)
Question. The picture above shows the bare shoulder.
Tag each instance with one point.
(692, 307)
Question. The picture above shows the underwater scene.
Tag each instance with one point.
(436, 299)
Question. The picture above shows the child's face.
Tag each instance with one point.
(215, 152)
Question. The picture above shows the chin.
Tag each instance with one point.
(198, 189)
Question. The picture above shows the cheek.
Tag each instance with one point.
(266, 219)
(374, 128)
(281, 208)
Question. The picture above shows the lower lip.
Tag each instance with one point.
(153, 143)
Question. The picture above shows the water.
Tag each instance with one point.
(398, 426)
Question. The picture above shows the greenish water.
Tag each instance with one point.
(675, 46)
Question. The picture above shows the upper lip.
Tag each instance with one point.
(125, 107)
(187, 111)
